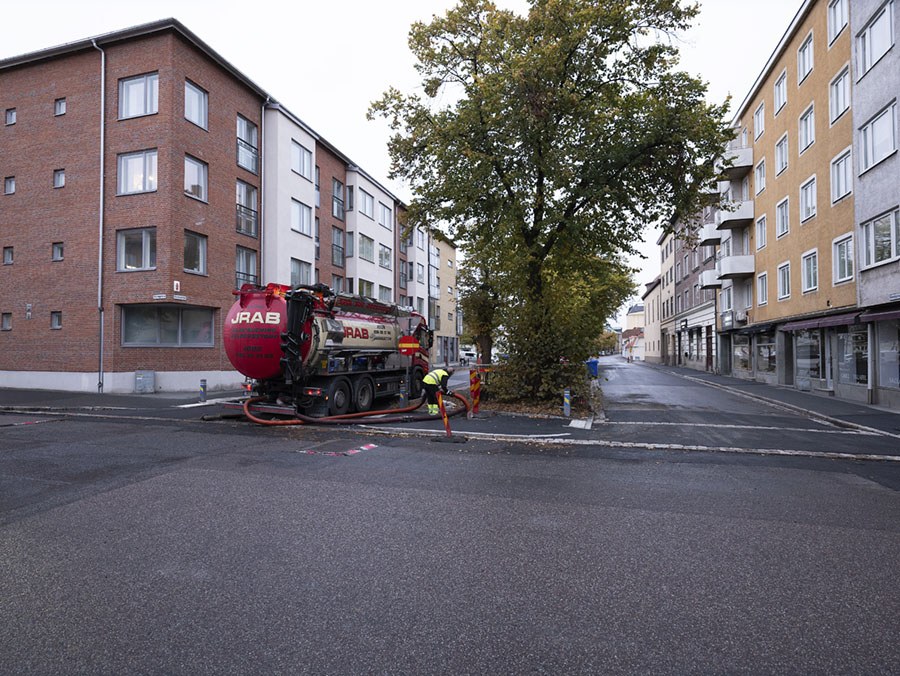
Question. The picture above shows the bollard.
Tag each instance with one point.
(475, 389)
(203, 389)
(567, 403)
(443, 411)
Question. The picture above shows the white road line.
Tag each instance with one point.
(208, 402)
(745, 427)
(489, 435)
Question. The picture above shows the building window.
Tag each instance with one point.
(762, 288)
(349, 205)
(56, 319)
(837, 18)
(10, 116)
(781, 154)
(337, 247)
(247, 217)
(808, 200)
(301, 272)
(810, 270)
(59, 107)
(839, 94)
(784, 281)
(420, 239)
(761, 232)
(350, 249)
(56, 251)
(876, 38)
(9, 185)
(843, 259)
(725, 299)
(384, 256)
(337, 199)
(59, 178)
(7, 255)
(136, 249)
(337, 283)
(318, 200)
(301, 160)
(137, 172)
(195, 172)
(420, 273)
(247, 153)
(349, 285)
(301, 218)
(780, 93)
(245, 267)
(366, 248)
(6, 321)
(195, 104)
(365, 288)
(366, 204)
(139, 95)
(167, 326)
(881, 238)
(761, 176)
(194, 252)
(384, 216)
(841, 176)
(889, 360)
(877, 137)
(782, 219)
(807, 128)
(317, 239)
(384, 294)
(805, 59)
(759, 121)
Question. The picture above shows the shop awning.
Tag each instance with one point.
(756, 328)
(879, 316)
(820, 322)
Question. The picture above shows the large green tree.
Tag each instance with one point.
(547, 142)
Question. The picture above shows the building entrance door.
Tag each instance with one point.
(709, 349)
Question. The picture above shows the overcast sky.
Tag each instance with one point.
(327, 61)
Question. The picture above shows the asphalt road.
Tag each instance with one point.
(161, 544)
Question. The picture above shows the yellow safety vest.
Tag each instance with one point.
(434, 377)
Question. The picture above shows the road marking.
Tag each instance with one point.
(746, 427)
(352, 451)
(205, 403)
(488, 435)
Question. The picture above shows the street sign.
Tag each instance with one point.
(409, 345)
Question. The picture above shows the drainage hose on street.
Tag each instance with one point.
(354, 418)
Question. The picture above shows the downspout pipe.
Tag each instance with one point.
(102, 199)
(262, 200)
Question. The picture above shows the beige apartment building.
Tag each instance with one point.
(445, 319)
(652, 339)
(668, 350)
(786, 253)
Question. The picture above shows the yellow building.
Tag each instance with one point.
(444, 295)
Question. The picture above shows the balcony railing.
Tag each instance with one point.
(735, 215)
(242, 278)
(247, 220)
(709, 279)
(709, 235)
(734, 266)
(247, 156)
(337, 255)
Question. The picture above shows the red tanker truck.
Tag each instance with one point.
(323, 353)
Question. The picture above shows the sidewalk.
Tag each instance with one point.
(62, 400)
(829, 409)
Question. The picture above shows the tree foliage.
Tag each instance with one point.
(547, 143)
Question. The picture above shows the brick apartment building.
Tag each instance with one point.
(122, 284)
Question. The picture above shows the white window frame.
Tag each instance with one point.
(149, 96)
(59, 178)
(839, 95)
(384, 256)
(301, 217)
(8, 255)
(867, 59)
(366, 248)
(843, 241)
(59, 107)
(6, 321)
(761, 232)
(808, 197)
(868, 236)
(301, 272)
(55, 320)
(805, 50)
(810, 115)
(761, 176)
(384, 215)
(202, 169)
(301, 160)
(10, 116)
(762, 289)
(838, 19)
(783, 225)
(809, 262)
(201, 247)
(9, 185)
(726, 298)
(780, 92)
(870, 155)
(56, 251)
(842, 175)
(782, 154)
(201, 97)
(366, 204)
(180, 311)
(784, 294)
(149, 168)
(759, 120)
(148, 249)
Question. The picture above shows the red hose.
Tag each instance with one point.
(352, 417)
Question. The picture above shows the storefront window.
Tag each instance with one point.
(741, 359)
(888, 349)
(765, 352)
(853, 355)
(809, 354)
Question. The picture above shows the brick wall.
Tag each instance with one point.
(330, 166)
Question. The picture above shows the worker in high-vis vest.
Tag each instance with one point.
(438, 378)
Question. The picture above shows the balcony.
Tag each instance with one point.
(709, 279)
(247, 220)
(733, 267)
(735, 215)
(247, 156)
(736, 162)
(242, 278)
(709, 235)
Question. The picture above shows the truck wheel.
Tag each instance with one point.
(339, 397)
(363, 394)
(415, 387)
